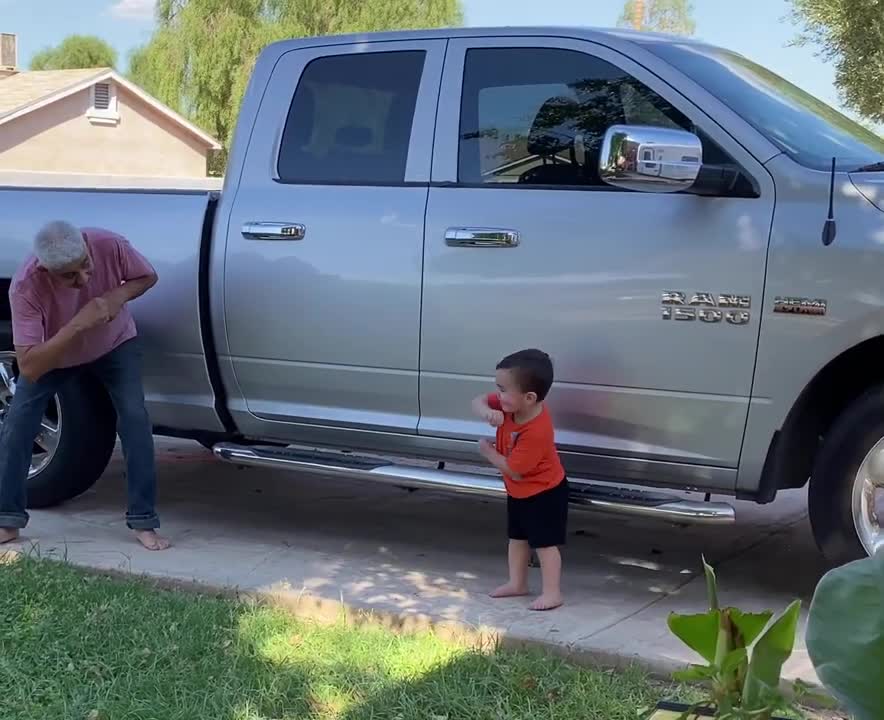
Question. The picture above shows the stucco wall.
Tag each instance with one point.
(61, 138)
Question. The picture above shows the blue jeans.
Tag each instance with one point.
(120, 373)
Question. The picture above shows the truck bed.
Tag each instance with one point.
(170, 226)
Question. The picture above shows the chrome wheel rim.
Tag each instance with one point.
(46, 442)
(867, 502)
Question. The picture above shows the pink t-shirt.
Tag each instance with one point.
(41, 307)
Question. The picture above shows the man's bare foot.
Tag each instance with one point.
(8, 535)
(547, 602)
(509, 590)
(150, 540)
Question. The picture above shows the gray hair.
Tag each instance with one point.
(58, 245)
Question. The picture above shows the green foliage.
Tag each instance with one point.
(201, 55)
(770, 652)
(744, 652)
(845, 635)
(79, 646)
(665, 16)
(74, 53)
(849, 34)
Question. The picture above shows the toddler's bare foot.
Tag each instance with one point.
(547, 602)
(150, 540)
(509, 590)
(8, 535)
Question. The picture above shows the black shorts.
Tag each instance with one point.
(541, 519)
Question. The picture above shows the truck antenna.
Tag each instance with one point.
(829, 228)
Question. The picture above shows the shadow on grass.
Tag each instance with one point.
(505, 685)
(80, 646)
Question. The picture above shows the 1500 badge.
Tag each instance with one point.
(706, 307)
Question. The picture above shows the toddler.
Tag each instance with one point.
(524, 452)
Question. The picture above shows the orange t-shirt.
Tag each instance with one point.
(530, 451)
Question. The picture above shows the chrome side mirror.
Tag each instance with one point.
(650, 159)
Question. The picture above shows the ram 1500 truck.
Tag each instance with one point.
(698, 244)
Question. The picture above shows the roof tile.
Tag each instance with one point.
(26, 88)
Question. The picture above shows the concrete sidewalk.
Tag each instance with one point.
(433, 556)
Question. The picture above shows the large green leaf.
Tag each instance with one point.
(749, 625)
(772, 648)
(746, 628)
(698, 632)
(695, 673)
(845, 635)
(735, 660)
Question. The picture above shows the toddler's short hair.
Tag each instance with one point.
(532, 370)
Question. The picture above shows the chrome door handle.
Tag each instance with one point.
(481, 238)
(273, 231)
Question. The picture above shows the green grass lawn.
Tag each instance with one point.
(81, 646)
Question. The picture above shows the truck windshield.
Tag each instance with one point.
(806, 129)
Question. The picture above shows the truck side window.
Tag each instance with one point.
(350, 119)
(537, 116)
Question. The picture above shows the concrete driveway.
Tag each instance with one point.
(437, 556)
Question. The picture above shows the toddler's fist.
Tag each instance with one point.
(494, 418)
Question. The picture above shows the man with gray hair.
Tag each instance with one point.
(69, 314)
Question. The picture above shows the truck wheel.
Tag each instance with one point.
(847, 486)
(76, 442)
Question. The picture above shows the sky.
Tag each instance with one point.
(127, 24)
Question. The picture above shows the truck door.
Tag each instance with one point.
(526, 247)
(325, 239)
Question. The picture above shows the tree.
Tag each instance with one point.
(74, 53)
(666, 16)
(849, 34)
(199, 59)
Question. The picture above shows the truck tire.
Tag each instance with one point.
(846, 500)
(66, 462)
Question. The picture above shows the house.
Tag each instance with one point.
(93, 122)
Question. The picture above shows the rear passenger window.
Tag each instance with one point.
(350, 119)
(537, 116)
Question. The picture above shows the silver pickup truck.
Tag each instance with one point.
(698, 244)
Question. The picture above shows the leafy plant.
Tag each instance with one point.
(200, 56)
(744, 652)
(845, 635)
(849, 36)
(76, 52)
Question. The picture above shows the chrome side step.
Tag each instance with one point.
(584, 495)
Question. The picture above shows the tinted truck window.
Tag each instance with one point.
(537, 116)
(350, 119)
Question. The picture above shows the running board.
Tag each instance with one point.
(600, 498)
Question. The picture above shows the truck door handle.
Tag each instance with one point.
(481, 238)
(273, 231)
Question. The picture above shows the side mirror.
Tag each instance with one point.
(650, 159)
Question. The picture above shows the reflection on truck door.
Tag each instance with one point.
(520, 126)
(326, 312)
